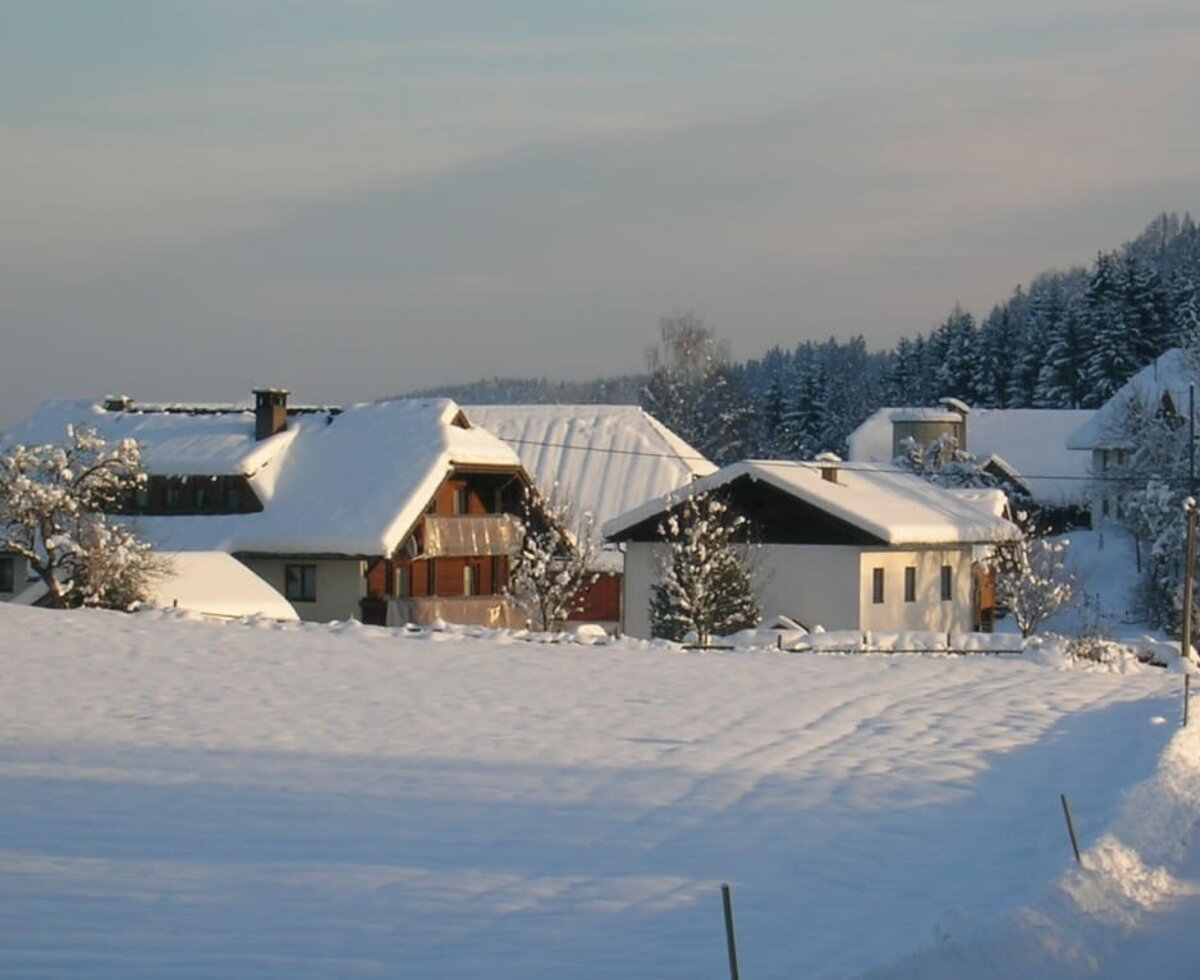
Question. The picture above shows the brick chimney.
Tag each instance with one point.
(270, 412)
(829, 464)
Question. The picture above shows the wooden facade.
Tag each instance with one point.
(419, 570)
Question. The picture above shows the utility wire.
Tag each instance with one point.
(849, 466)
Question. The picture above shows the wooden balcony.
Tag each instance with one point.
(463, 536)
(492, 611)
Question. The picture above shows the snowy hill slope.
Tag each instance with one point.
(191, 799)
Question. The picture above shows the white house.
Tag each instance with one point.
(394, 509)
(844, 547)
(1161, 388)
(1023, 447)
(606, 460)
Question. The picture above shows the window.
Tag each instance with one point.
(203, 498)
(403, 583)
(7, 575)
(910, 584)
(470, 580)
(462, 500)
(947, 583)
(877, 585)
(233, 497)
(300, 583)
(174, 496)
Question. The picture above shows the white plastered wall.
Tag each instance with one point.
(341, 583)
(829, 585)
(929, 611)
(813, 584)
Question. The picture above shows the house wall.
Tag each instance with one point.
(929, 611)
(341, 585)
(20, 571)
(829, 585)
(1106, 501)
(813, 584)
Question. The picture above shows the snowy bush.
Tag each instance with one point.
(706, 586)
(1032, 581)
(552, 569)
(55, 505)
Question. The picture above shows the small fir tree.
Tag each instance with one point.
(706, 588)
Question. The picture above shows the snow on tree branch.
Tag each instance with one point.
(553, 567)
(706, 586)
(55, 506)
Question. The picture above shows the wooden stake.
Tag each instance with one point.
(1187, 691)
(1071, 828)
(730, 939)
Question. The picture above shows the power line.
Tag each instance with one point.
(847, 465)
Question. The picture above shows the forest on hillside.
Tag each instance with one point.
(1067, 340)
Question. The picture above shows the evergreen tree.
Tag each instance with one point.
(956, 374)
(1060, 381)
(706, 588)
(1112, 358)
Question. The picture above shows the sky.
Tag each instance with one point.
(354, 199)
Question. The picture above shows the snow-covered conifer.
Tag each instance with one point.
(706, 588)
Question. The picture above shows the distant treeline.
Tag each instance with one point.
(1068, 340)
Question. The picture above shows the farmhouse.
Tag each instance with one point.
(604, 460)
(395, 510)
(845, 547)
(1161, 389)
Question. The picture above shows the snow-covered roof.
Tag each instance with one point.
(345, 483)
(217, 584)
(894, 506)
(1032, 441)
(1171, 373)
(208, 439)
(606, 459)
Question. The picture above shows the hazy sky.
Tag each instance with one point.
(358, 198)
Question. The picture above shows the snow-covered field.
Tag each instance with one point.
(188, 799)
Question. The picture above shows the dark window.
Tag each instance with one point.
(174, 496)
(7, 574)
(470, 580)
(910, 584)
(403, 580)
(203, 498)
(300, 583)
(233, 497)
(877, 585)
(947, 583)
(462, 500)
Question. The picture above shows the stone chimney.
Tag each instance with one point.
(270, 412)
